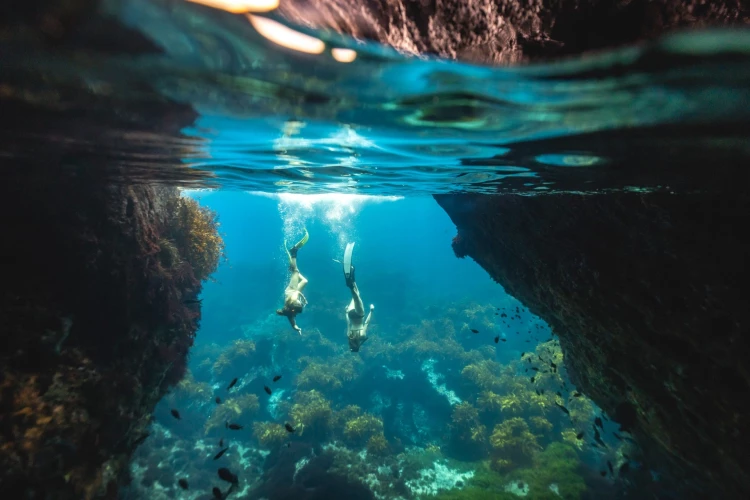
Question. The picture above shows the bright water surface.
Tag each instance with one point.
(270, 118)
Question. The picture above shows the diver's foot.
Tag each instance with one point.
(350, 279)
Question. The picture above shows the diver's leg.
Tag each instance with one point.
(359, 307)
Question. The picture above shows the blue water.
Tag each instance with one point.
(410, 377)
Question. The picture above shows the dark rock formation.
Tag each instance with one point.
(507, 31)
(96, 270)
(648, 294)
(94, 330)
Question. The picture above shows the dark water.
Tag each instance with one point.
(199, 98)
(269, 118)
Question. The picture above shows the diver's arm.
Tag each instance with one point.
(369, 316)
(293, 322)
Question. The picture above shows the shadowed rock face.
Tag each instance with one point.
(507, 31)
(648, 294)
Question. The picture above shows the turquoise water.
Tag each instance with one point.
(272, 119)
(456, 412)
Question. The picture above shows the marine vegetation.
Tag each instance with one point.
(377, 445)
(236, 358)
(327, 375)
(194, 229)
(311, 414)
(360, 429)
(484, 374)
(431, 339)
(468, 434)
(553, 474)
(513, 444)
(239, 409)
(269, 434)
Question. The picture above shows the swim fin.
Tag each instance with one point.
(348, 268)
(293, 251)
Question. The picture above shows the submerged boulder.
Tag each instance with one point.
(648, 295)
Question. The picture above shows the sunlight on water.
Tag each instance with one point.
(240, 6)
(338, 210)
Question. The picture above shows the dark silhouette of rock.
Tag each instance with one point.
(508, 31)
(648, 295)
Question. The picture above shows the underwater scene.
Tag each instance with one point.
(374, 249)
(457, 391)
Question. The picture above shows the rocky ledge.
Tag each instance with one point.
(648, 295)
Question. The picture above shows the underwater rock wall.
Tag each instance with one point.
(97, 322)
(648, 295)
(507, 31)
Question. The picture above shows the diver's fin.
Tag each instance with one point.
(302, 242)
(292, 252)
(348, 271)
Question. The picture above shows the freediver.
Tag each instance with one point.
(356, 323)
(294, 301)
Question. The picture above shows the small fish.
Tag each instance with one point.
(503, 315)
(218, 455)
(553, 365)
(267, 389)
(624, 468)
(277, 378)
(579, 435)
(609, 466)
(598, 421)
(175, 413)
(221, 443)
(535, 368)
(217, 493)
(234, 427)
(183, 484)
(565, 410)
(218, 400)
(576, 394)
(474, 330)
(542, 391)
(226, 475)
(627, 457)
(289, 445)
(289, 428)
(558, 393)
(497, 339)
(533, 379)
(231, 384)
(603, 472)
(538, 393)
(524, 352)
(504, 340)
(598, 438)
(528, 359)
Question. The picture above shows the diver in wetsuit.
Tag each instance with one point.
(356, 323)
(294, 301)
